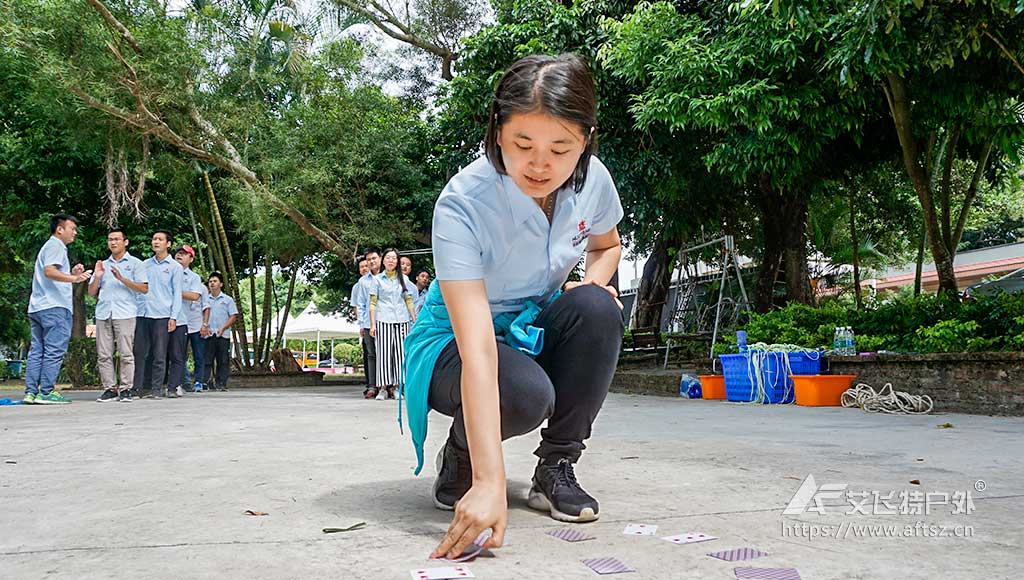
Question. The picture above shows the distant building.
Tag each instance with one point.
(971, 267)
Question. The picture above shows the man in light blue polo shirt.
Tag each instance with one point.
(358, 299)
(49, 312)
(198, 318)
(422, 281)
(177, 348)
(116, 282)
(369, 343)
(157, 318)
(218, 334)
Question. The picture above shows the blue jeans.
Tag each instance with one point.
(51, 331)
(198, 344)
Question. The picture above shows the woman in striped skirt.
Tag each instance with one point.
(391, 315)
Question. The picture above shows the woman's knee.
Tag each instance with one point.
(596, 306)
(527, 396)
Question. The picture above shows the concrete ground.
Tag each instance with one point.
(158, 489)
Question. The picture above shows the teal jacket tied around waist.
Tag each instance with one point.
(431, 334)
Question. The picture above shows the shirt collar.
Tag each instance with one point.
(164, 261)
(124, 258)
(523, 206)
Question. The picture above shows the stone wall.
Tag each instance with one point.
(275, 380)
(976, 383)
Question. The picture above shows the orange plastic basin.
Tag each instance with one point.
(712, 386)
(821, 390)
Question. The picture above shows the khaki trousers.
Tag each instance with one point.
(116, 333)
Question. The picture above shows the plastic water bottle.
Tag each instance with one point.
(851, 344)
(837, 343)
(741, 340)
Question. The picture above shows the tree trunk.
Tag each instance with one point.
(78, 309)
(900, 106)
(654, 284)
(922, 239)
(772, 258)
(287, 307)
(203, 263)
(225, 249)
(794, 230)
(856, 249)
(268, 294)
(256, 325)
(784, 228)
(75, 362)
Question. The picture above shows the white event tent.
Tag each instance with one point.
(312, 325)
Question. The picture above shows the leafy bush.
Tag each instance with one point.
(81, 364)
(927, 323)
(3, 370)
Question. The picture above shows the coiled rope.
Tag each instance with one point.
(886, 400)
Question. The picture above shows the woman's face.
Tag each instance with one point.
(540, 152)
(390, 261)
(406, 265)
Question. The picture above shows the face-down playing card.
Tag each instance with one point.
(607, 565)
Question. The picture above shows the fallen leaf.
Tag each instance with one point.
(351, 528)
(792, 477)
(915, 481)
(630, 457)
(11, 461)
(255, 513)
(946, 426)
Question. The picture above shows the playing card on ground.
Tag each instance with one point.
(767, 573)
(446, 573)
(640, 530)
(738, 554)
(607, 565)
(570, 535)
(691, 538)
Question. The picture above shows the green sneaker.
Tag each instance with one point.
(29, 399)
(54, 398)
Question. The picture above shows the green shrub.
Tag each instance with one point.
(81, 366)
(3, 370)
(901, 323)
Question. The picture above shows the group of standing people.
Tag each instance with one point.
(387, 298)
(148, 313)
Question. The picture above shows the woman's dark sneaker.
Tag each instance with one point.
(107, 396)
(556, 490)
(454, 476)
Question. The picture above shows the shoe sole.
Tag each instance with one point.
(540, 502)
(52, 402)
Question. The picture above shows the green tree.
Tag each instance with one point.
(751, 83)
(952, 84)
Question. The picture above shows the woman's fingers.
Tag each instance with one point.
(471, 533)
(455, 531)
(497, 536)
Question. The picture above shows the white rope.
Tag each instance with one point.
(758, 353)
(886, 400)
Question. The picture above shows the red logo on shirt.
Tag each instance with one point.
(583, 225)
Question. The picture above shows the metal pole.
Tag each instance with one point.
(718, 308)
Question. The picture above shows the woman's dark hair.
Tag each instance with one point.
(398, 265)
(560, 86)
